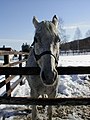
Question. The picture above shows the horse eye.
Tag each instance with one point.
(57, 39)
(35, 40)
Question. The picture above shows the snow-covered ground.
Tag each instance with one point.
(74, 85)
(68, 86)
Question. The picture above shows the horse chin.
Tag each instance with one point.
(49, 84)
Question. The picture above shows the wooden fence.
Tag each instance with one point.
(8, 65)
(10, 71)
(75, 52)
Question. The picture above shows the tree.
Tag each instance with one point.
(78, 34)
(62, 31)
(87, 33)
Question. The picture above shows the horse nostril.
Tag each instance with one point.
(43, 75)
(49, 78)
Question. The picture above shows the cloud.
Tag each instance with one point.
(70, 27)
(80, 25)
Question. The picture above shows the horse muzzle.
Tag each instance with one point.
(49, 77)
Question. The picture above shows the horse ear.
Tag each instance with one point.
(35, 21)
(55, 20)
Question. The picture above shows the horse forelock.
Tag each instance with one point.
(46, 26)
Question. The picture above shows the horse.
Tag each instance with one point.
(44, 54)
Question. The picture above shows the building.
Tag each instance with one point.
(6, 49)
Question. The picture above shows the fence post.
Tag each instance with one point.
(20, 65)
(6, 61)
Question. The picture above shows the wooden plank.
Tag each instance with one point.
(13, 86)
(6, 80)
(73, 70)
(14, 63)
(44, 101)
(36, 70)
(20, 65)
(6, 61)
(19, 71)
(12, 52)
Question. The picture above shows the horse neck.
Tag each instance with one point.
(31, 62)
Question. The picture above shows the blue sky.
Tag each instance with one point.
(16, 17)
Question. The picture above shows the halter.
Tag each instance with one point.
(37, 57)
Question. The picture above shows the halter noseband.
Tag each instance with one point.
(37, 57)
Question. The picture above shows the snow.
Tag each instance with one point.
(77, 60)
(68, 86)
(74, 85)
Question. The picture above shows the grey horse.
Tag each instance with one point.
(44, 54)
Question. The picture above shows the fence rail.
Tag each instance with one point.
(12, 52)
(44, 101)
(75, 52)
(36, 70)
(14, 63)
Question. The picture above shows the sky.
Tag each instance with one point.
(16, 17)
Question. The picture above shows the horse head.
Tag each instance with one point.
(46, 49)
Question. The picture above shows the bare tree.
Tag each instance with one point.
(87, 33)
(78, 34)
(62, 31)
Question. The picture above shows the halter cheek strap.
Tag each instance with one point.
(37, 57)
